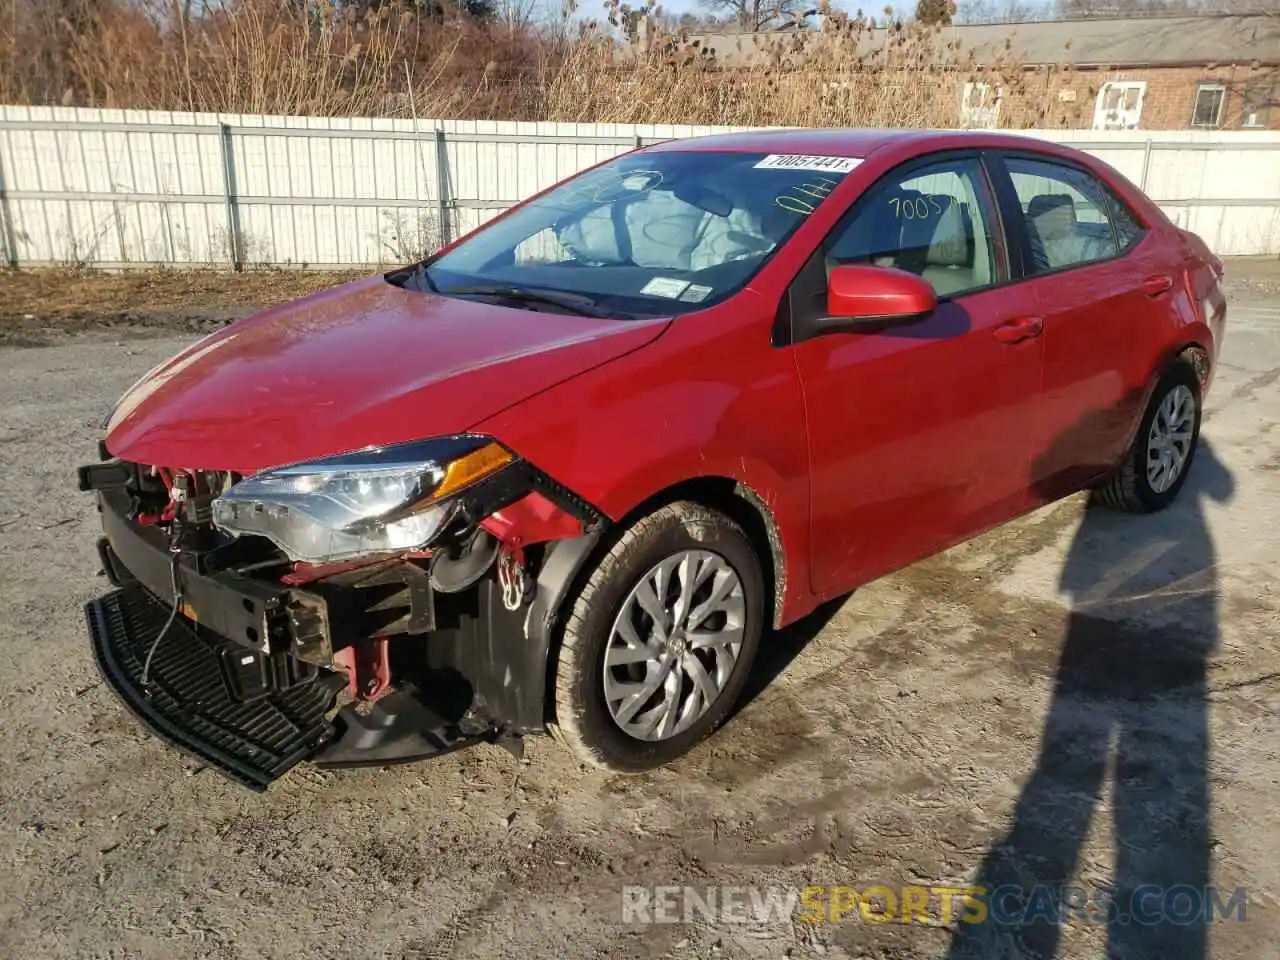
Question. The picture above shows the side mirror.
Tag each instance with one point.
(863, 297)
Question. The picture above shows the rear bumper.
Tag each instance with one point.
(189, 699)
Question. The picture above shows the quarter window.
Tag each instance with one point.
(1210, 98)
(1070, 217)
(932, 222)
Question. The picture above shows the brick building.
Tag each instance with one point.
(1149, 73)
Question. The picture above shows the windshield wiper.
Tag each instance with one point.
(582, 305)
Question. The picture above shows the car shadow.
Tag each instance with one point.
(1128, 713)
(778, 648)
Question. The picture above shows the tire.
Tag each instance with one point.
(613, 595)
(1130, 488)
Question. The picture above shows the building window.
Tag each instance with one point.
(1210, 99)
(1257, 104)
(1119, 105)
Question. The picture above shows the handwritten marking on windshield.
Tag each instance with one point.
(805, 197)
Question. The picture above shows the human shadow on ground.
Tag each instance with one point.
(1129, 706)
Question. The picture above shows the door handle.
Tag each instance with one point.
(1015, 331)
(1156, 285)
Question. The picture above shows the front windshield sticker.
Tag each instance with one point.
(696, 293)
(668, 287)
(795, 161)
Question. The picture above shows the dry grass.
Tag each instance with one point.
(853, 72)
(319, 57)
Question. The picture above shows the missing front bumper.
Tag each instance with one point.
(190, 699)
(250, 688)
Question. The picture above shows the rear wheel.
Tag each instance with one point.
(659, 640)
(1158, 461)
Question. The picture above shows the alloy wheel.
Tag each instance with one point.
(674, 644)
(1169, 441)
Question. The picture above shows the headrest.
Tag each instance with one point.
(949, 245)
(916, 223)
(1052, 213)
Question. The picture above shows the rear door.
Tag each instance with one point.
(917, 434)
(1104, 288)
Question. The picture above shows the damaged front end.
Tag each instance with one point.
(371, 608)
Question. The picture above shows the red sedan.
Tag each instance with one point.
(568, 472)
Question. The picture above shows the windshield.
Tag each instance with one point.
(642, 235)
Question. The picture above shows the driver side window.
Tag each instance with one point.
(932, 221)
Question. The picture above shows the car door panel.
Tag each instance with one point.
(917, 441)
(1102, 294)
(918, 435)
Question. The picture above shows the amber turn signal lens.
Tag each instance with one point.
(466, 470)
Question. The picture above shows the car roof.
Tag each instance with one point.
(849, 142)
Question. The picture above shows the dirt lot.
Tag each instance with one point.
(47, 307)
(1078, 696)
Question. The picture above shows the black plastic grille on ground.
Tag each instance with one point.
(189, 704)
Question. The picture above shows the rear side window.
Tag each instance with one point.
(1071, 218)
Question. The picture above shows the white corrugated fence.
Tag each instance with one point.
(115, 188)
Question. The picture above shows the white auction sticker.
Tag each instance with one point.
(668, 287)
(796, 161)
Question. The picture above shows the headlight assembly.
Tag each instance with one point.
(385, 499)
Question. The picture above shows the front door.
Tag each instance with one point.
(919, 436)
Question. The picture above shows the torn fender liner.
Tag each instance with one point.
(253, 741)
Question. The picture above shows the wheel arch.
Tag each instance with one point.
(1190, 351)
(1198, 356)
(568, 563)
(741, 503)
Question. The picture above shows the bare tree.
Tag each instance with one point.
(756, 14)
(935, 11)
(1003, 11)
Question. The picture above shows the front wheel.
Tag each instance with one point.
(1157, 463)
(659, 640)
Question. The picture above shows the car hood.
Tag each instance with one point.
(362, 364)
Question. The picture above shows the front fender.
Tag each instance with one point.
(710, 399)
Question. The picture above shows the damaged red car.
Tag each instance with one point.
(567, 473)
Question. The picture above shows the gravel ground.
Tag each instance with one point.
(1074, 696)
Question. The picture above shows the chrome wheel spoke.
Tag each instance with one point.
(674, 644)
(688, 572)
(670, 705)
(722, 594)
(632, 639)
(702, 681)
(622, 656)
(650, 604)
(626, 699)
(715, 639)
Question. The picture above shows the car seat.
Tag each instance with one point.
(950, 264)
